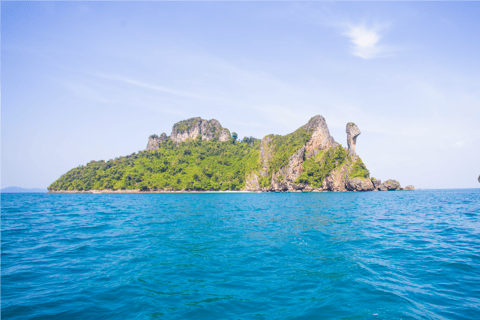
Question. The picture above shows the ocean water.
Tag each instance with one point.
(376, 255)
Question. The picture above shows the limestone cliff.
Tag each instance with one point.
(310, 160)
(321, 138)
(280, 168)
(352, 133)
(265, 154)
(154, 141)
(194, 127)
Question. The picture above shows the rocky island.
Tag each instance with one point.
(201, 155)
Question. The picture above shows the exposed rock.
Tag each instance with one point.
(224, 135)
(359, 184)
(409, 188)
(251, 183)
(376, 183)
(321, 138)
(194, 127)
(286, 176)
(392, 184)
(335, 181)
(382, 188)
(352, 133)
(154, 141)
(284, 179)
(266, 152)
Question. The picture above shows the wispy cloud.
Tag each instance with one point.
(458, 144)
(149, 86)
(365, 41)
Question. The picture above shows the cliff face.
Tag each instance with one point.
(154, 141)
(321, 138)
(318, 164)
(194, 127)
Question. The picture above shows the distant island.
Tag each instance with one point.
(201, 155)
(23, 190)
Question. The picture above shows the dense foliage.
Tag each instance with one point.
(285, 146)
(316, 168)
(359, 170)
(192, 165)
(282, 148)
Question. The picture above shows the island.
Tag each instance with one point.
(200, 155)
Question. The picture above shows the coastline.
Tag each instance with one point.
(178, 191)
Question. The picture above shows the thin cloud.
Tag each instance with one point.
(149, 86)
(458, 144)
(365, 41)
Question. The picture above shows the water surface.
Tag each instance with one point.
(375, 255)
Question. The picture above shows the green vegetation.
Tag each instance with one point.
(198, 164)
(234, 137)
(317, 168)
(192, 165)
(284, 147)
(184, 125)
(359, 170)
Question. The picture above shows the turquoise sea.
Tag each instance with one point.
(374, 255)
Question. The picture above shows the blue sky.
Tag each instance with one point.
(87, 81)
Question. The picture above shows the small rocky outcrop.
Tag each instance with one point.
(376, 183)
(194, 127)
(409, 188)
(352, 133)
(321, 138)
(390, 185)
(381, 188)
(154, 141)
(359, 184)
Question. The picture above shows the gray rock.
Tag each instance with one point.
(409, 188)
(154, 141)
(352, 133)
(321, 138)
(194, 127)
(358, 184)
(376, 183)
(289, 173)
(252, 183)
(266, 151)
(382, 188)
(391, 184)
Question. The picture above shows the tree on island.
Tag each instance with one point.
(234, 137)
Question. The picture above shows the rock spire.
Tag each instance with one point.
(352, 133)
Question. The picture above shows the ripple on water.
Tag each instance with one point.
(402, 255)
